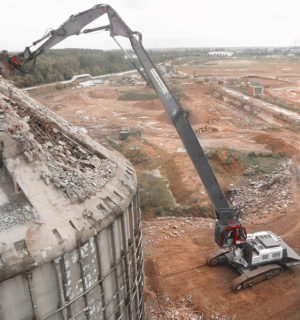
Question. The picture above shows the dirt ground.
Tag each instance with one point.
(176, 271)
(179, 284)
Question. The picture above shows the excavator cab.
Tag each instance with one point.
(229, 233)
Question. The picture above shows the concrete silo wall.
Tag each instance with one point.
(70, 225)
(100, 279)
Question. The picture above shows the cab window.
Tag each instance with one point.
(240, 234)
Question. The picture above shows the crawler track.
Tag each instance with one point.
(250, 278)
(217, 257)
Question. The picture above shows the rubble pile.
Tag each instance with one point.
(69, 167)
(78, 177)
(267, 194)
(14, 207)
(14, 212)
(169, 310)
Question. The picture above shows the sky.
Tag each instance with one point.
(163, 23)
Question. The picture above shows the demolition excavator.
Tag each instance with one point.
(257, 256)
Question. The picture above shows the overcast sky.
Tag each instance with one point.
(163, 23)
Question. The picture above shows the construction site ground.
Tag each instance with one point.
(179, 284)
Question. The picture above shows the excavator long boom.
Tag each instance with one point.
(72, 26)
(228, 228)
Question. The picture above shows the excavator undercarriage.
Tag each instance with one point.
(263, 256)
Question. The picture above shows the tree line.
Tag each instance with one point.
(62, 64)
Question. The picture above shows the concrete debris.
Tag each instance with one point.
(176, 314)
(77, 178)
(71, 168)
(13, 213)
(183, 309)
(14, 207)
(65, 164)
(267, 194)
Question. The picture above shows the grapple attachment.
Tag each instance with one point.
(8, 64)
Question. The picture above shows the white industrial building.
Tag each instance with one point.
(220, 53)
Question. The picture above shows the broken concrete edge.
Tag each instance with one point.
(44, 114)
(12, 264)
(64, 226)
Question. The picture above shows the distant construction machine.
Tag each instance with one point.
(255, 257)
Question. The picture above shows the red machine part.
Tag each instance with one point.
(16, 61)
(239, 235)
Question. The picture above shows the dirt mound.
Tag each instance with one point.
(277, 145)
(149, 105)
(226, 161)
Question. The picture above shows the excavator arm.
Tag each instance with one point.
(228, 229)
(72, 26)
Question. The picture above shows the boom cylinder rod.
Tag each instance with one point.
(96, 29)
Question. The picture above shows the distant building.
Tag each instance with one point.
(220, 53)
(256, 89)
(85, 84)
